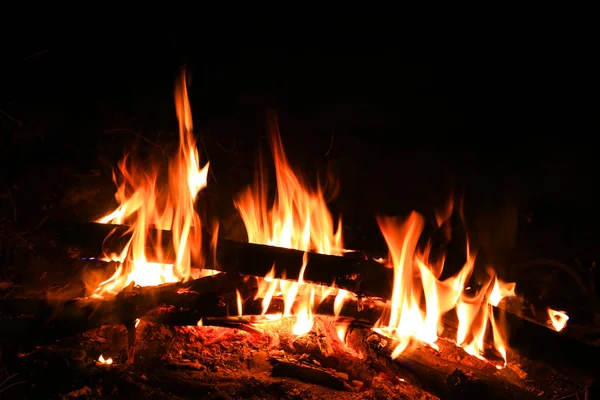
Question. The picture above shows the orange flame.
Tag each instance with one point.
(558, 319)
(298, 219)
(414, 279)
(107, 361)
(146, 202)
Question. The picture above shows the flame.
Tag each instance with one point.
(102, 360)
(299, 298)
(416, 281)
(238, 297)
(558, 319)
(341, 331)
(146, 201)
(298, 218)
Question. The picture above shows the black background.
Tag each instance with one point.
(504, 111)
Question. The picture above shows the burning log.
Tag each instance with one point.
(442, 376)
(352, 272)
(50, 320)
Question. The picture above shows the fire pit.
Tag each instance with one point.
(173, 309)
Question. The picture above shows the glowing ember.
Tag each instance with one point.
(415, 279)
(239, 302)
(558, 319)
(146, 202)
(107, 361)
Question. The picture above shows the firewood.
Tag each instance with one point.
(354, 271)
(441, 376)
(213, 300)
(49, 320)
(290, 368)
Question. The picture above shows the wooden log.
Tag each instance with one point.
(48, 320)
(443, 377)
(212, 299)
(354, 271)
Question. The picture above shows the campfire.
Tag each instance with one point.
(324, 314)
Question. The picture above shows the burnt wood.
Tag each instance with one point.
(354, 272)
(444, 377)
(290, 368)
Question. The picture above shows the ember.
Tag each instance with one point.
(558, 319)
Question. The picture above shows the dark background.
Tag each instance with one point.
(502, 112)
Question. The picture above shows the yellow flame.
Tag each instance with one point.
(239, 302)
(107, 361)
(558, 319)
(297, 219)
(147, 202)
(342, 330)
(416, 282)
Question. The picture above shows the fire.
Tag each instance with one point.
(558, 319)
(107, 361)
(299, 298)
(416, 282)
(146, 201)
(297, 219)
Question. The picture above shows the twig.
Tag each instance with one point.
(7, 115)
(39, 53)
(8, 379)
(330, 143)
(14, 384)
(223, 147)
(13, 205)
(134, 133)
(569, 396)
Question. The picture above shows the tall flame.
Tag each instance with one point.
(416, 282)
(298, 218)
(146, 201)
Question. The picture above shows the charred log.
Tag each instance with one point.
(354, 271)
(290, 368)
(442, 376)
